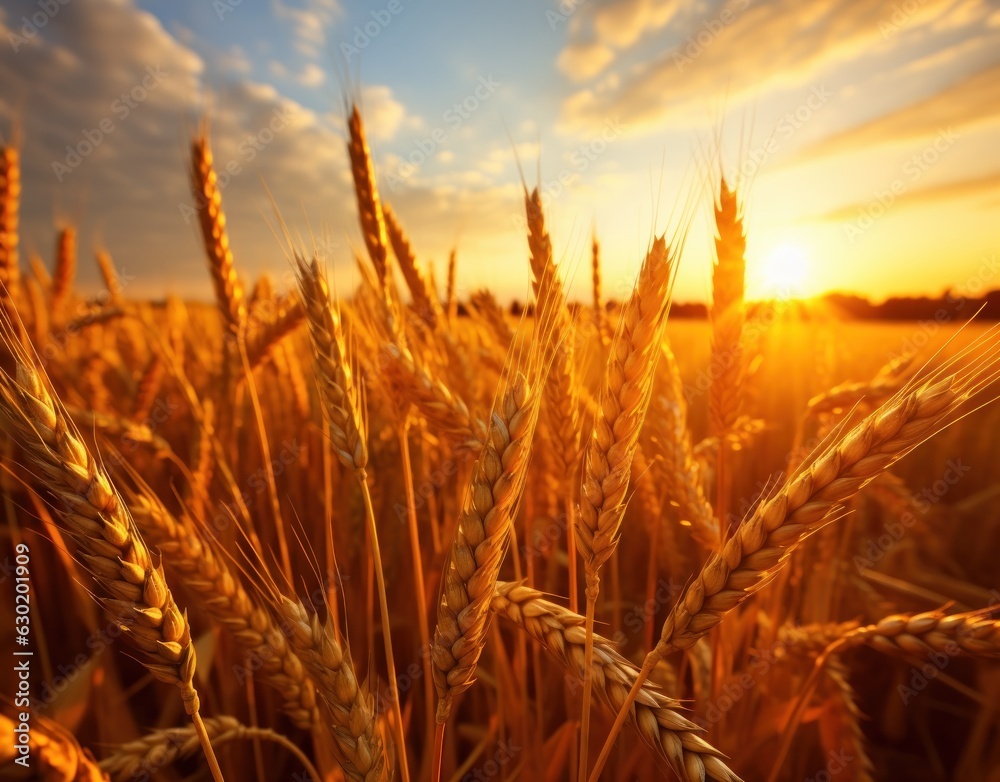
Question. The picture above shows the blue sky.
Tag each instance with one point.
(864, 133)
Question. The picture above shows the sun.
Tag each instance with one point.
(784, 272)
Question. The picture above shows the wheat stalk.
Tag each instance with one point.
(425, 300)
(727, 312)
(655, 717)
(95, 517)
(223, 597)
(161, 748)
(813, 497)
(451, 302)
(448, 414)
(346, 702)
(110, 276)
(343, 411)
(625, 394)
(229, 294)
(600, 311)
(10, 202)
(64, 272)
(369, 208)
(263, 341)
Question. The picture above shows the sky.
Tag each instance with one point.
(863, 135)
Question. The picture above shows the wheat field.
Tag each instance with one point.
(320, 534)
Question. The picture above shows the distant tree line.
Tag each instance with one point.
(951, 305)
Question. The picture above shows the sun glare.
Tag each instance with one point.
(784, 272)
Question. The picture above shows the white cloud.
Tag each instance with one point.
(309, 23)
(312, 76)
(722, 53)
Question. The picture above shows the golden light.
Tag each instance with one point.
(783, 273)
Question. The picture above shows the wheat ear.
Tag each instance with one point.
(343, 411)
(347, 703)
(486, 520)
(54, 751)
(655, 717)
(111, 279)
(447, 412)
(451, 302)
(64, 272)
(425, 300)
(223, 597)
(369, 208)
(339, 392)
(727, 318)
(624, 399)
(95, 517)
(10, 203)
(680, 470)
(229, 296)
(727, 312)
(600, 311)
(263, 341)
(561, 389)
(811, 498)
(975, 633)
(481, 540)
(155, 751)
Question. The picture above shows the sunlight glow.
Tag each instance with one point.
(784, 272)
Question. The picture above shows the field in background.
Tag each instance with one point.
(292, 537)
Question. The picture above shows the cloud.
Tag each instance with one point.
(312, 76)
(309, 23)
(739, 49)
(106, 133)
(601, 29)
(972, 101)
(984, 190)
(383, 114)
(582, 62)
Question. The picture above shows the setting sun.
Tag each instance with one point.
(783, 273)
